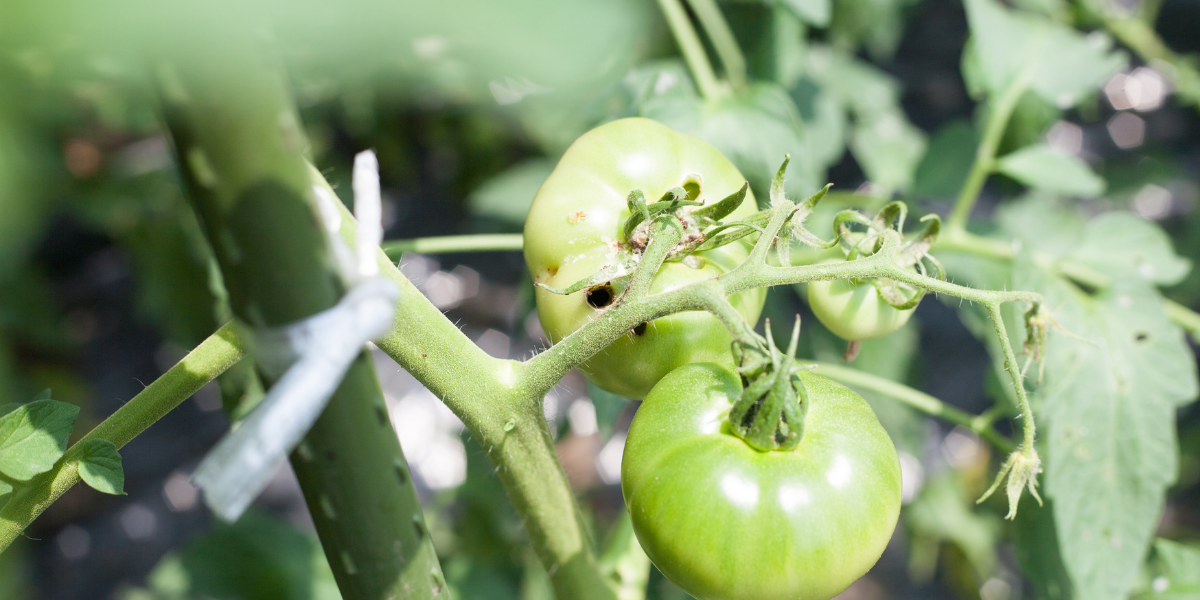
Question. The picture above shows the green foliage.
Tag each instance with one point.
(34, 437)
(100, 466)
(1058, 63)
(257, 558)
(1173, 573)
(1044, 169)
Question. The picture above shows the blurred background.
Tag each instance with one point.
(104, 281)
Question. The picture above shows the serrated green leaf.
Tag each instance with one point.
(1059, 63)
(507, 196)
(1048, 170)
(1108, 414)
(813, 12)
(1125, 241)
(100, 467)
(34, 437)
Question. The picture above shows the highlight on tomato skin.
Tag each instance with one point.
(724, 521)
(573, 230)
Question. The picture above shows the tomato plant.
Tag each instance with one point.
(574, 230)
(726, 521)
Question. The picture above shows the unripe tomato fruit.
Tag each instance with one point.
(853, 310)
(724, 521)
(573, 230)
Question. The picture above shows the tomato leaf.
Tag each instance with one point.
(1137, 245)
(813, 12)
(1175, 571)
(100, 467)
(755, 129)
(1061, 64)
(507, 196)
(1048, 170)
(34, 437)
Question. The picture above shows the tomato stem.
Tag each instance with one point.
(692, 48)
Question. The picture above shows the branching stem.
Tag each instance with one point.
(203, 364)
(490, 242)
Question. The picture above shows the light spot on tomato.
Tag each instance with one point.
(840, 474)
(740, 490)
(792, 497)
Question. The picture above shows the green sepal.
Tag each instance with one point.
(777, 195)
(725, 207)
(610, 274)
(640, 212)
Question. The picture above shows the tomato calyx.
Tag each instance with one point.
(769, 413)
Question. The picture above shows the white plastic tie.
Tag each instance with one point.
(311, 356)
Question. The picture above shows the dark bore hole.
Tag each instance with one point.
(1141, 337)
(600, 296)
(640, 330)
(693, 189)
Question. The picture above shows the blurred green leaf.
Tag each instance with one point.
(34, 437)
(257, 558)
(754, 128)
(1039, 551)
(507, 196)
(876, 25)
(1138, 247)
(813, 12)
(471, 580)
(946, 163)
(942, 511)
(1059, 63)
(100, 467)
(1174, 572)
(1045, 169)
(889, 149)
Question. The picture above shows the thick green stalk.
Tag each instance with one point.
(722, 39)
(985, 155)
(503, 412)
(239, 146)
(487, 242)
(208, 360)
(693, 50)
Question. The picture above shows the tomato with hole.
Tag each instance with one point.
(573, 231)
(724, 521)
(853, 309)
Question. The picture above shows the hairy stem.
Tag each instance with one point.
(1014, 371)
(915, 399)
(203, 364)
(693, 50)
(491, 242)
(504, 415)
(722, 39)
(985, 155)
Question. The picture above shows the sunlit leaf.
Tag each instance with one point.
(1045, 169)
(100, 467)
(34, 437)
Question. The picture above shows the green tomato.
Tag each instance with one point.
(853, 310)
(573, 230)
(724, 521)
